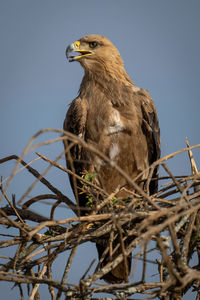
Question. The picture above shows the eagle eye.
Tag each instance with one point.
(93, 44)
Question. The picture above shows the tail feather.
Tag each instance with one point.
(119, 273)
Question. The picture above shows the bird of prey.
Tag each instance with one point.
(117, 118)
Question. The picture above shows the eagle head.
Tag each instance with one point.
(94, 51)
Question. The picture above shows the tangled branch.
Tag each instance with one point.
(161, 230)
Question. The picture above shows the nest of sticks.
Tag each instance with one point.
(162, 231)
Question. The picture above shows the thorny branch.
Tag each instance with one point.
(161, 230)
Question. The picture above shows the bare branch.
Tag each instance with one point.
(165, 225)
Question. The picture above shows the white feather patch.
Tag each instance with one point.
(114, 150)
(116, 123)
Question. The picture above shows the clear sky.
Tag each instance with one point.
(158, 41)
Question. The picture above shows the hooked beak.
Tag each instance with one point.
(75, 47)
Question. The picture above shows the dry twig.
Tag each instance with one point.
(171, 218)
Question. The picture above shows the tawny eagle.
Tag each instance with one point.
(117, 118)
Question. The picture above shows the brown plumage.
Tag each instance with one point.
(117, 118)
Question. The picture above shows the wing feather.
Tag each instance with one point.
(151, 129)
(75, 123)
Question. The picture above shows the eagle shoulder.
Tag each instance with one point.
(150, 122)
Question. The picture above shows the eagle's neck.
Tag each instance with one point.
(113, 82)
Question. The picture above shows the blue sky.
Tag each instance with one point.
(158, 41)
